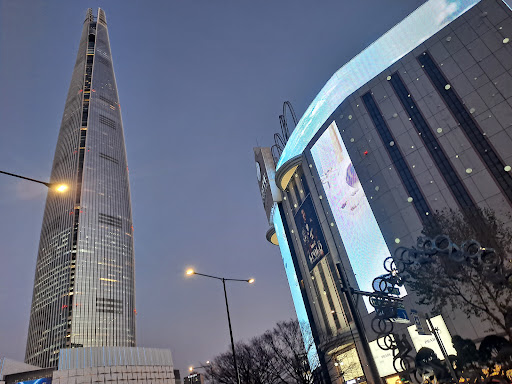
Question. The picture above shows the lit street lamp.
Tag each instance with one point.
(53, 186)
(191, 368)
(223, 279)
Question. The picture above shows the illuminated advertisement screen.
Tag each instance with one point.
(310, 233)
(38, 381)
(298, 302)
(360, 233)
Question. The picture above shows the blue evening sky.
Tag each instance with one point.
(200, 84)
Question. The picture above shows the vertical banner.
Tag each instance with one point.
(310, 233)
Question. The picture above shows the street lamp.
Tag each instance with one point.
(191, 368)
(53, 186)
(191, 272)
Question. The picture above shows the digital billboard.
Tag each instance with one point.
(298, 302)
(360, 233)
(38, 381)
(310, 233)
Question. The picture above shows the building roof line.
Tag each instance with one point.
(416, 28)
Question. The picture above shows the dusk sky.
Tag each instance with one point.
(200, 84)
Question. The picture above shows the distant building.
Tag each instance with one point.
(96, 365)
(177, 376)
(15, 371)
(419, 121)
(194, 378)
(84, 285)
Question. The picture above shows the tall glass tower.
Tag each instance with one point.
(84, 286)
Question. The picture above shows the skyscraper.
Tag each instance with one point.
(84, 285)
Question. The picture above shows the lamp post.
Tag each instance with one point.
(192, 368)
(54, 186)
(223, 279)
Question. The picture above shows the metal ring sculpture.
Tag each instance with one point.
(385, 304)
(280, 140)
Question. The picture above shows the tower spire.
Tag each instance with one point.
(102, 18)
(89, 16)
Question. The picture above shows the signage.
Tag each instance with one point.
(393, 291)
(400, 316)
(310, 233)
(420, 322)
(429, 341)
(265, 174)
(383, 359)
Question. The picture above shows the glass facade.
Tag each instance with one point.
(410, 184)
(84, 287)
(431, 143)
(319, 265)
(468, 124)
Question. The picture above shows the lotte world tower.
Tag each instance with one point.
(84, 285)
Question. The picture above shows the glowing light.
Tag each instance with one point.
(190, 272)
(506, 40)
(409, 199)
(469, 170)
(62, 188)
(507, 168)
(397, 240)
(250, 281)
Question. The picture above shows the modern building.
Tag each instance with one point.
(96, 365)
(84, 288)
(420, 121)
(194, 378)
(10, 369)
(177, 376)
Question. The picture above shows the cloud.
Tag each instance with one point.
(444, 10)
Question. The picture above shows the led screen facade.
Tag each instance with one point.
(298, 302)
(310, 233)
(420, 25)
(360, 233)
(38, 381)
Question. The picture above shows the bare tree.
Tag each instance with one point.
(286, 343)
(277, 356)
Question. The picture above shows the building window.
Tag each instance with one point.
(408, 181)
(478, 140)
(431, 144)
